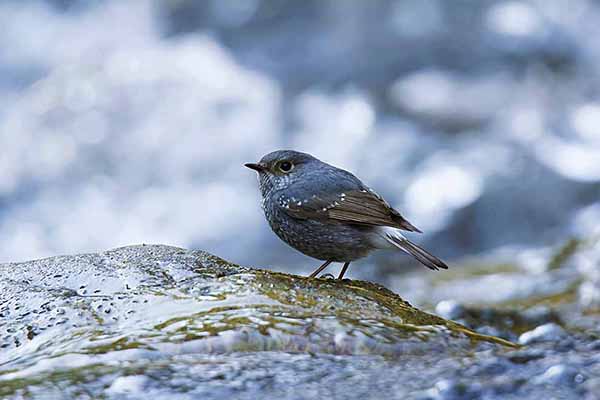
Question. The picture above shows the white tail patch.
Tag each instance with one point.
(388, 237)
(385, 238)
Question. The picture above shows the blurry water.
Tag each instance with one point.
(129, 122)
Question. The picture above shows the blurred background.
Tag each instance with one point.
(129, 122)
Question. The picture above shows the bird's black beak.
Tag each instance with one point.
(257, 167)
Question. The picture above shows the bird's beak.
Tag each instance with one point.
(257, 167)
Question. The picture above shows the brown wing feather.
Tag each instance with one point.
(363, 207)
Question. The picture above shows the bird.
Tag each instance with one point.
(328, 213)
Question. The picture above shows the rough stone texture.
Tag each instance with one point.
(162, 321)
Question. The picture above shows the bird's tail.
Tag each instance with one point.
(428, 260)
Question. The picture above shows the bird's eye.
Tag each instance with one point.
(286, 166)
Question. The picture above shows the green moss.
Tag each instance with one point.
(568, 296)
(346, 300)
(564, 253)
(71, 378)
(117, 345)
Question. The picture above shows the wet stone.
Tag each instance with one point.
(560, 373)
(546, 332)
(451, 390)
(190, 301)
(526, 355)
(592, 387)
(450, 309)
(170, 323)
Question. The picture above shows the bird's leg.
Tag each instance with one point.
(343, 271)
(321, 268)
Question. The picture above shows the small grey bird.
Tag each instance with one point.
(327, 213)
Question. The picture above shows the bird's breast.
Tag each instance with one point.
(338, 242)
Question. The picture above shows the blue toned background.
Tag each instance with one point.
(129, 122)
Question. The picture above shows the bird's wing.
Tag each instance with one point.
(361, 207)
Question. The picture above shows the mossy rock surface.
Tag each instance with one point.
(153, 301)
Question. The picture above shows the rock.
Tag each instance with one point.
(84, 313)
(133, 384)
(593, 388)
(560, 373)
(446, 389)
(495, 321)
(595, 345)
(543, 333)
(450, 309)
(526, 355)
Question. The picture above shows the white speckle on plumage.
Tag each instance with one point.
(324, 209)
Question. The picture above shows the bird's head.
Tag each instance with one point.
(281, 168)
